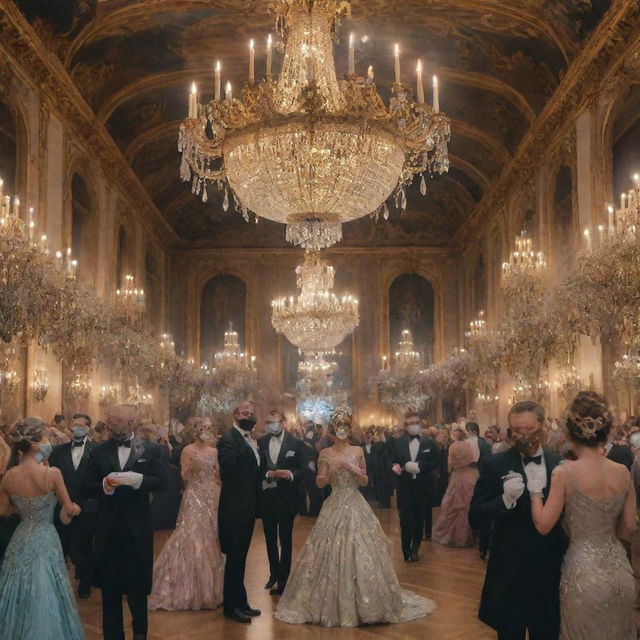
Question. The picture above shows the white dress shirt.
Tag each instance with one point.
(414, 447)
(529, 468)
(250, 442)
(124, 453)
(77, 453)
(275, 444)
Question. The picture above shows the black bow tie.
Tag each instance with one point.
(534, 459)
(124, 443)
(77, 443)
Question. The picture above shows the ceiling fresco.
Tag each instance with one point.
(498, 64)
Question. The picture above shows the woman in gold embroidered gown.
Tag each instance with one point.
(189, 570)
(598, 499)
(344, 576)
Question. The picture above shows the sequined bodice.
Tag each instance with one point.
(593, 522)
(35, 510)
(343, 479)
(204, 465)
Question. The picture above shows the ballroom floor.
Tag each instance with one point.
(451, 577)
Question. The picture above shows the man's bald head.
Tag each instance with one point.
(121, 419)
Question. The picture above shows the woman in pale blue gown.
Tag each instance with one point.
(36, 600)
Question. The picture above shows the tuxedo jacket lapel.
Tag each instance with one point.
(245, 447)
(112, 454)
(406, 447)
(283, 450)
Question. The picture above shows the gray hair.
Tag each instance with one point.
(28, 430)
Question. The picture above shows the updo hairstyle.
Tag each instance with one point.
(25, 432)
(588, 419)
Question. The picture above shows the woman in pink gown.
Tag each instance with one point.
(452, 526)
(188, 572)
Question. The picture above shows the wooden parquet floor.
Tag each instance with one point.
(451, 577)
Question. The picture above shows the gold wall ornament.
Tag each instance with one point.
(79, 387)
(40, 385)
(317, 320)
(307, 149)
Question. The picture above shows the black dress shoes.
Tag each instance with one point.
(248, 611)
(238, 615)
(278, 590)
(270, 584)
(413, 557)
(84, 591)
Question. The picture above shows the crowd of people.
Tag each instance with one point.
(95, 493)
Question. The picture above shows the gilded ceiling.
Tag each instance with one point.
(498, 61)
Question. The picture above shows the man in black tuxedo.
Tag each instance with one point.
(311, 455)
(77, 537)
(282, 470)
(122, 473)
(240, 463)
(413, 458)
(521, 585)
(619, 453)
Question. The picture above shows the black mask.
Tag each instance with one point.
(246, 424)
(123, 437)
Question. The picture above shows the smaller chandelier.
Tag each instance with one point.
(317, 320)
(525, 390)
(40, 385)
(626, 371)
(406, 356)
(130, 298)
(524, 261)
(316, 376)
(108, 394)
(477, 327)
(79, 387)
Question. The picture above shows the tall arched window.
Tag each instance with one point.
(562, 223)
(223, 301)
(626, 143)
(411, 306)
(479, 287)
(122, 258)
(152, 288)
(83, 229)
(8, 150)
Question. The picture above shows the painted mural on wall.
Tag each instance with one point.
(223, 301)
(411, 306)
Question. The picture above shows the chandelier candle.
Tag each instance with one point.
(419, 85)
(252, 70)
(370, 74)
(217, 81)
(436, 95)
(352, 59)
(396, 62)
(269, 57)
(228, 96)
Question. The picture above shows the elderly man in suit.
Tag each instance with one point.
(240, 464)
(122, 473)
(282, 471)
(77, 537)
(413, 458)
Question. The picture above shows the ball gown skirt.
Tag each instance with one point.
(188, 573)
(36, 599)
(344, 576)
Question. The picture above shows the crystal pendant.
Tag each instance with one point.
(185, 172)
(205, 195)
(423, 186)
(225, 202)
(403, 200)
(385, 211)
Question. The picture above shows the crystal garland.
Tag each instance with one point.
(316, 376)
(317, 320)
(307, 149)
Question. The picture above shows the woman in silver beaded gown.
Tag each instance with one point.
(344, 576)
(598, 498)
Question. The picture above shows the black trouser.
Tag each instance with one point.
(539, 627)
(484, 537)
(383, 489)
(279, 525)
(112, 621)
(122, 572)
(234, 594)
(79, 546)
(414, 509)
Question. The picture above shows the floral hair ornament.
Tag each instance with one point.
(587, 426)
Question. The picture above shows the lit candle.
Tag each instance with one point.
(623, 200)
(227, 92)
(16, 206)
(43, 243)
(217, 81)
(269, 57)
(419, 86)
(7, 206)
(74, 264)
(610, 212)
(370, 73)
(193, 101)
(252, 52)
(396, 56)
(1, 187)
(600, 234)
(59, 260)
(352, 55)
(436, 95)
(587, 237)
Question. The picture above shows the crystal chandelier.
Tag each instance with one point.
(40, 385)
(525, 390)
(406, 356)
(130, 298)
(317, 320)
(524, 261)
(316, 376)
(306, 148)
(626, 371)
(231, 353)
(108, 395)
(79, 387)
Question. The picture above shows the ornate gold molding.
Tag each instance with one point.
(23, 45)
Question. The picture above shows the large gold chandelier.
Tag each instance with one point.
(307, 149)
(317, 320)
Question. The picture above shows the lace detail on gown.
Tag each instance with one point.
(596, 588)
(188, 573)
(344, 576)
(36, 599)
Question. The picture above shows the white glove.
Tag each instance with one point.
(513, 488)
(412, 467)
(536, 478)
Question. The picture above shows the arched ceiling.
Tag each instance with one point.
(498, 62)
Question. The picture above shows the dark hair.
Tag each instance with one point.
(100, 427)
(527, 406)
(411, 414)
(83, 416)
(588, 419)
(58, 418)
(25, 432)
(473, 427)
